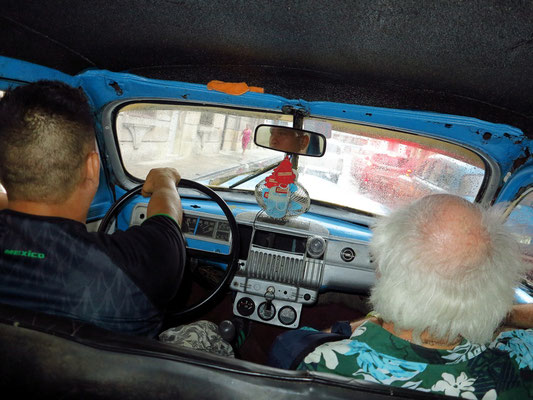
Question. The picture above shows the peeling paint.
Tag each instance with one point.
(185, 96)
(448, 125)
(487, 135)
(521, 160)
(118, 89)
(368, 114)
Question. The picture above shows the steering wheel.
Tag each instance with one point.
(230, 259)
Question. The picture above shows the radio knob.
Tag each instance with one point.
(316, 246)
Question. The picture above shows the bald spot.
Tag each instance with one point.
(456, 236)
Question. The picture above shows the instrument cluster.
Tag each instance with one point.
(206, 227)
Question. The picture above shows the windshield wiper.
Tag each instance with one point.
(254, 174)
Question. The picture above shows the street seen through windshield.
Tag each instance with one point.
(364, 168)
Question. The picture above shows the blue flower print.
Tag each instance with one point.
(519, 344)
(384, 368)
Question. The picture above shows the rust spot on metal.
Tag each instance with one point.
(521, 160)
(448, 125)
(185, 96)
(118, 89)
(487, 135)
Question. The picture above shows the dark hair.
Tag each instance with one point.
(46, 132)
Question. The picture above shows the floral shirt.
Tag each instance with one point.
(502, 369)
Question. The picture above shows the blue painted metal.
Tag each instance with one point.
(103, 199)
(105, 86)
(515, 184)
(207, 246)
(14, 71)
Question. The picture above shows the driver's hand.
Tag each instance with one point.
(160, 186)
(160, 178)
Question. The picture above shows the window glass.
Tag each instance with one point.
(365, 168)
(520, 220)
(376, 169)
(210, 144)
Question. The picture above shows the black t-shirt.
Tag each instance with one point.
(121, 282)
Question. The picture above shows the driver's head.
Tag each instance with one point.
(288, 141)
(46, 135)
(447, 266)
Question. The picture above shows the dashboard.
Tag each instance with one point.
(283, 265)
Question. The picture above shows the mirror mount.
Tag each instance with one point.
(294, 161)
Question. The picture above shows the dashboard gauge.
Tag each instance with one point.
(222, 232)
(287, 315)
(205, 228)
(265, 312)
(221, 235)
(245, 306)
(316, 246)
(223, 226)
(189, 224)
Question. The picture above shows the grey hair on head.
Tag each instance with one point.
(447, 266)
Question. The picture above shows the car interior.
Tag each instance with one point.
(394, 101)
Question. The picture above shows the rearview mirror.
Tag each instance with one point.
(290, 140)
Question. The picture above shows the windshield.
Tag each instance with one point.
(365, 168)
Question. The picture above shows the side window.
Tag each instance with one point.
(520, 220)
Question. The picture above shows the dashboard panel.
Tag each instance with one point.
(283, 265)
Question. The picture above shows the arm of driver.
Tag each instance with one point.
(160, 186)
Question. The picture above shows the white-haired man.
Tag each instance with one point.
(446, 271)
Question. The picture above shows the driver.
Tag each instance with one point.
(49, 262)
(288, 141)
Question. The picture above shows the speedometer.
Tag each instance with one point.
(205, 228)
(223, 231)
(189, 223)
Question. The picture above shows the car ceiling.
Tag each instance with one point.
(471, 58)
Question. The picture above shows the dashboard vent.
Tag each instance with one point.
(285, 268)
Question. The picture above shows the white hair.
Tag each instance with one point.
(446, 266)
